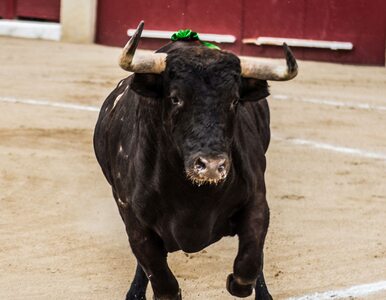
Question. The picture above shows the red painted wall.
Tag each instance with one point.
(362, 22)
(2, 9)
(272, 18)
(7, 9)
(41, 9)
(116, 16)
(36, 9)
(216, 16)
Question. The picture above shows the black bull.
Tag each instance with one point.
(157, 135)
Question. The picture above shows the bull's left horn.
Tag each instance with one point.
(252, 68)
(143, 63)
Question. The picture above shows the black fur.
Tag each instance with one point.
(146, 142)
(138, 286)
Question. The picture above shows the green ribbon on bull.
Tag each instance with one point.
(189, 35)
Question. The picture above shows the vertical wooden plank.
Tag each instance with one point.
(2, 9)
(9, 9)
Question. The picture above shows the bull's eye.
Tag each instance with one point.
(235, 102)
(176, 100)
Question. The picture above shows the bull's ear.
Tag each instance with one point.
(253, 89)
(147, 85)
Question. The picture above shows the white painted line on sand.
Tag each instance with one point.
(365, 106)
(334, 148)
(354, 291)
(312, 144)
(335, 103)
(49, 103)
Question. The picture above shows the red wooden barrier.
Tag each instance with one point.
(361, 22)
(215, 16)
(116, 16)
(36, 9)
(7, 9)
(272, 19)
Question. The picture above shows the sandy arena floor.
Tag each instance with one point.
(60, 233)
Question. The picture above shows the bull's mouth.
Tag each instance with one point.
(201, 180)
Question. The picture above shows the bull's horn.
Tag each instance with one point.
(252, 68)
(143, 63)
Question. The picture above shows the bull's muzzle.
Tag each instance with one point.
(208, 169)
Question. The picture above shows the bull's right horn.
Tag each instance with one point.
(252, 68)
(143, 63)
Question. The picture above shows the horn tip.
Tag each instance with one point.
(290, 59)
(141, 25)
(129, 50)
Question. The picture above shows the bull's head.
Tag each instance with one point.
(200, 89)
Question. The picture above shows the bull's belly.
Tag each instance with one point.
(191, 235)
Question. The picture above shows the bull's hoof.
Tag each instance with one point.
(136, 295)
(262, 295)
(177, 297)
(238, 290)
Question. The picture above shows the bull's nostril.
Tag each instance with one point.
(199, 165)
(208, 169)
(221, 168)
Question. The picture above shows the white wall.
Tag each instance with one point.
(78, 20)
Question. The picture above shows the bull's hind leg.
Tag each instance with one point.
(138, 286)
(248, 266)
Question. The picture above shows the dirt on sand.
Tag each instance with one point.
(61, 236)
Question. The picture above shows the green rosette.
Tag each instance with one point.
(189, 35)
(210, 45)
(185, 35)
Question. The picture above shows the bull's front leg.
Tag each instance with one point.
(138, 285)
(248, 266)
(151, 255)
